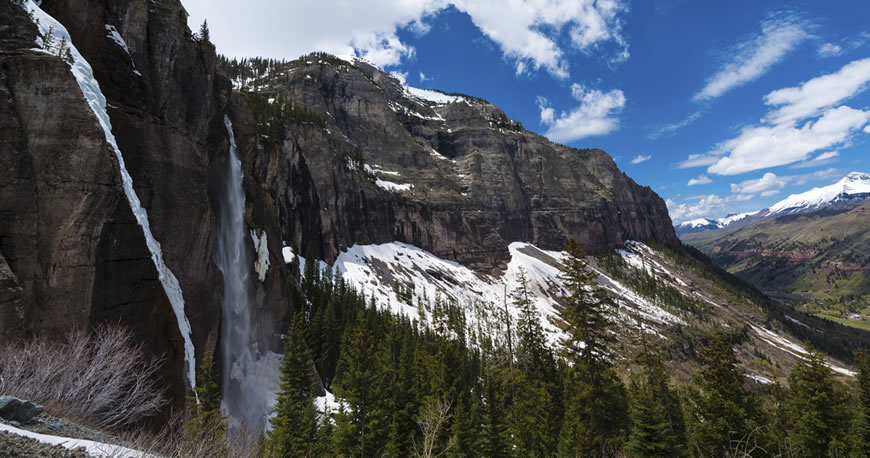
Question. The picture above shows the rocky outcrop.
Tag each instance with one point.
(451, 174)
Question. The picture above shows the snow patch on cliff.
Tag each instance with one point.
(90, 88)
(261, 247)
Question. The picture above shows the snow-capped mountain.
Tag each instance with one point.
(696, 225)
(853, 186)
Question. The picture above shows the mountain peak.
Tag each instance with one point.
(852, 185)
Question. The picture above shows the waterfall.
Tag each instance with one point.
(238, 343)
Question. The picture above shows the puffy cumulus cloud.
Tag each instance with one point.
(802, 120)
(702, 179)
(767, 183)
(812, 97)
(829, 50)
(754, 57)
(594, 115)
(526, 31)
(762, 147)
(641, 158)
(706, 207)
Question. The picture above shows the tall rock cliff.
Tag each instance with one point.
(71, 251)
(364, 159)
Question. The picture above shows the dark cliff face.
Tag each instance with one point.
(71, 251)
(480, 181)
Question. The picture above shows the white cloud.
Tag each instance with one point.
(675, 126)
(867, 128)
(424, 78)
(703, 208)
(821, 159)
(527, 32)
(401, 76)
(768, 182)
(803, 120)
(594, 115)
(548, 114)
(702, 179)
(762, 147)
(754, 57)
(812, 97)
(829, 50)
(641, 158)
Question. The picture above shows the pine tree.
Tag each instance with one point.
(295, 420)
(204, 34)
(596, 415)
(207, 390)
(721, 413)
(363, 426)
(206, 424)
(861, 430)
(817, 408)
(658, 428)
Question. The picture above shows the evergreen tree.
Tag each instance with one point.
(861, 434)
(206, 424)
(817, 408)
(596, 415)
(721, 413)
(362, 427)
(204, 34)
(658, 428)
(295, 420)
(207, 390)
(496, 440)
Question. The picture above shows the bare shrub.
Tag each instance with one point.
(432, 419)
(102, 377)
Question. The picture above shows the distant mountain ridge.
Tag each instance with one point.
(855, 185)
(846, 192)
(705, 224)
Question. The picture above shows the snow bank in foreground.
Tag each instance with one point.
(98, 449)
(90, 88)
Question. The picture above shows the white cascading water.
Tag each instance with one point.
(234, 262)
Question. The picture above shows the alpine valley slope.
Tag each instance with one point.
(400, 189)
(812, 248)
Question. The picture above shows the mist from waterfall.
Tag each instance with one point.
(237, 343)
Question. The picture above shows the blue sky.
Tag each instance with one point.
(718, 106)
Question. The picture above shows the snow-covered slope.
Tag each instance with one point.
(855, 184)
(97, 449)
(734, 217)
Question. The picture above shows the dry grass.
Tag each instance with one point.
(195, 438)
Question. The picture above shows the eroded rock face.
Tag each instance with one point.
(479, 180)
